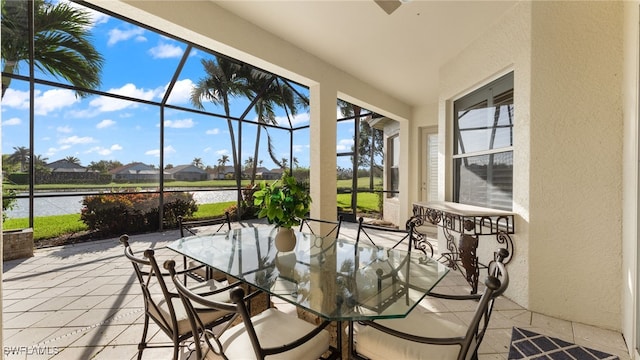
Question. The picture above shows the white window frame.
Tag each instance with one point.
(502, 84)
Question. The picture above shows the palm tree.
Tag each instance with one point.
(20, 156)
(103, 166)
(40, 164)
(348, 109)
(72, 160)
(248, 164)
(62, 42)
(283, 163)
(197, 162)
(218, 86)
(267, 91)
(222, 163)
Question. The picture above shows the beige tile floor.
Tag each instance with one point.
(81, 302)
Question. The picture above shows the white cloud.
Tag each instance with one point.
(64, 129)
(12, 121)
(299, 119)
(52, 151)
(179, 124)
(300, 148)
(44, 102)
(222, 152)
(156, 152)
(74, 140)
(181, 92)
(16, 99)
(214, 131)
(105, 151)
(105, 123)
(104, 103)
(52, 100)
(344, 145)
(117, 35)
(166, 51)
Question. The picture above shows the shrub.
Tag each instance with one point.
(130, 212)
(8, 201)
(249, 210)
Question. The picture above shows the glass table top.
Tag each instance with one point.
(336, 279)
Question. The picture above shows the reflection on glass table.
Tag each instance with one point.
(335, 279)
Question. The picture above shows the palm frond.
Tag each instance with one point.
(271, 150)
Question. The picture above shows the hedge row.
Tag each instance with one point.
(61, 178)
(118, 213)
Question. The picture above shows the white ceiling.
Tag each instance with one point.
(400, 53)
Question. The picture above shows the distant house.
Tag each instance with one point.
(260, 171)
(66, 172)
(186, 173)
(219, 173)
(135, 172)
(65, 166)
(272, 174)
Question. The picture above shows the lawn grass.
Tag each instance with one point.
(367, 202)
(48, 227)
(206, 211)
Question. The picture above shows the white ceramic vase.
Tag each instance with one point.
(285, 239)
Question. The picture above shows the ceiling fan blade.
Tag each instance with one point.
(389, 6)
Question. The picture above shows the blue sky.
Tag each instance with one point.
(139, 63)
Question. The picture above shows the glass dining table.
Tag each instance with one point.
(336, 279)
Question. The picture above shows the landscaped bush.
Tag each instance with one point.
(19, 178)
(8, 201)
(129, 212)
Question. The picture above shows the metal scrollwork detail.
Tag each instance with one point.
(469, 225)
(419, 240)
(467, 250)
(503, 238)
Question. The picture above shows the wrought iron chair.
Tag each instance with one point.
(270, 333)
(321, 227)
(428, 336)
(218, 225)
(213, 226)
(163, 306)
(382, 233)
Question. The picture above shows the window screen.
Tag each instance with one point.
(483, 146)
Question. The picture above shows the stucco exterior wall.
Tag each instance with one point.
(505, 48)
(576, 161)
(566, 58)
(630, 176)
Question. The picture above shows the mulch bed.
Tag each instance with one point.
(68, 239)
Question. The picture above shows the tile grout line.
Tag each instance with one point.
(90, 327)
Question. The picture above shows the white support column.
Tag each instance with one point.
(407, 194)
(323, 181)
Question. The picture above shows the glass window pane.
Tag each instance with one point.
(15, 130)
(485, 180)
(484, 119)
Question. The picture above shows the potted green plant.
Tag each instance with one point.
(283, 202)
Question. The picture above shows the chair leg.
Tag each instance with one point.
(143, 344)
(176, 346)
